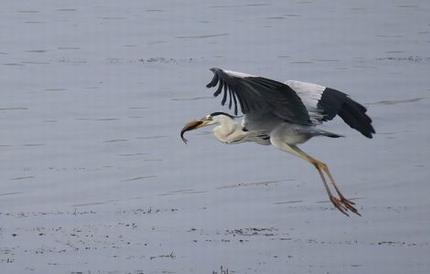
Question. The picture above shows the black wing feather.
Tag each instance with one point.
(218, 91)
(334, 102)
(224, 97)
(229, 99)
(235, 103)
(261, 95)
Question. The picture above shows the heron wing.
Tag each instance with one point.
(310, 94)
(324, 104)
(259, 95)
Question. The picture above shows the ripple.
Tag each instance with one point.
(326, 60)
(192, 98)
(161, 60)
(183, 191)
(396, 102)
(153, 160)
(66, 9)
(133, 154)
(151, 137)
(71, 61)
(22, 178)
(275, 17)
(55, 89)
(261, 183)
(68, 48)
(412, 59)
(394, 51)
(203, 36)
(116, 140)
(28, 11)
(10, 193)
(13, 64)
(138, 107)
(13, 108)
(139, 178)
(34, 22)
(35, 63)
(288, 202)
(301, 62)
(94, 203)
(113, 18)
(33, 145)
(407, 6)
(256, 5)
(36, 50)
(157, 42)
(389, 36)
(106, 119)
(239, 5)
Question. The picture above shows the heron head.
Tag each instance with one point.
(210, 119)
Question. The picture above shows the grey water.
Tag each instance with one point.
(95, 179)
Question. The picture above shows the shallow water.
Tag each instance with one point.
(95, 179)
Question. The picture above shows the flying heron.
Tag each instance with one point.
(283, 115)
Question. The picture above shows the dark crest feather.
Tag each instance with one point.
(221, 113)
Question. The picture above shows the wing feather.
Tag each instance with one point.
(224, 96)
(259, 95)
(323, 104)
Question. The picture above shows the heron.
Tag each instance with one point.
(283, 115)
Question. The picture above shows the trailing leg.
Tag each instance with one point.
(341, 203)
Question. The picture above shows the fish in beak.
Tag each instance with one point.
(194, 124)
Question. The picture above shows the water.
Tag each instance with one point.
(95, 179)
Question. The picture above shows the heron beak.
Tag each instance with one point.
(194, 124)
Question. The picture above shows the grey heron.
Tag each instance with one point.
(283, 115)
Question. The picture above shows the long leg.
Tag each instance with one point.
(320, 166)
(349, 204)
(341, 203)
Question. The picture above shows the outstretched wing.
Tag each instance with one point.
(258, 95)
(324, 104)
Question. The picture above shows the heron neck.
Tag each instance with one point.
(225, 127)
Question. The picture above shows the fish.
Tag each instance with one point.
(189, 126)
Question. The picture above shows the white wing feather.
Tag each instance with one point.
(310, 94)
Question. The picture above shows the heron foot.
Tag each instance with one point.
(341, 203)
(344, 205)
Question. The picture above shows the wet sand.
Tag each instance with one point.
(95, 179)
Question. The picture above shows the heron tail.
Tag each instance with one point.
(332, 135)
(329, 134)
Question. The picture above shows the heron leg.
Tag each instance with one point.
(344, 203)
(348, 203)
(335, 201)
(341, 203)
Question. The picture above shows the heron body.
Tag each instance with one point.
(283, 115)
